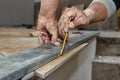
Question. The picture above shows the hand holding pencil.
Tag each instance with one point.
(65, 38)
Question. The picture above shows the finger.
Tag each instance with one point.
(53, 31)
(72, 25)
(77, 20)
(61, 31)
(63, 26)
(81, 19)
(47, 40)
(66, 28)
(55, 39)
(42, 37)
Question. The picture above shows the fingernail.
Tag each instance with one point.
(66, 29)
(72, 25)
(56, 43)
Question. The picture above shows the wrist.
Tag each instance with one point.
(89, 13)
(47, 14)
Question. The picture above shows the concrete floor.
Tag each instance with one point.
(106, 65)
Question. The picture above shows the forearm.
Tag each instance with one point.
(96, 12)
(100, 10)
(49, 8)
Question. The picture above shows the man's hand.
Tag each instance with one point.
(79, 20)
(47, 23)
(47, 30)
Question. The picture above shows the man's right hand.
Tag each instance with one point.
(79, 20)
(47, 30)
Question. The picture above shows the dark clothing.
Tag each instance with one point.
(117, 2)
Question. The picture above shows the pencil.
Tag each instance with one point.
(65, 38)
(64, 42)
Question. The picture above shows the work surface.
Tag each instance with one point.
(16, 66)
(14, 40)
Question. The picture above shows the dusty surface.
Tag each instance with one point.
(14, 32)
(17, 39)
(14, 45)
(13, 40)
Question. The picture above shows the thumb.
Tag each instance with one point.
(55, 39)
